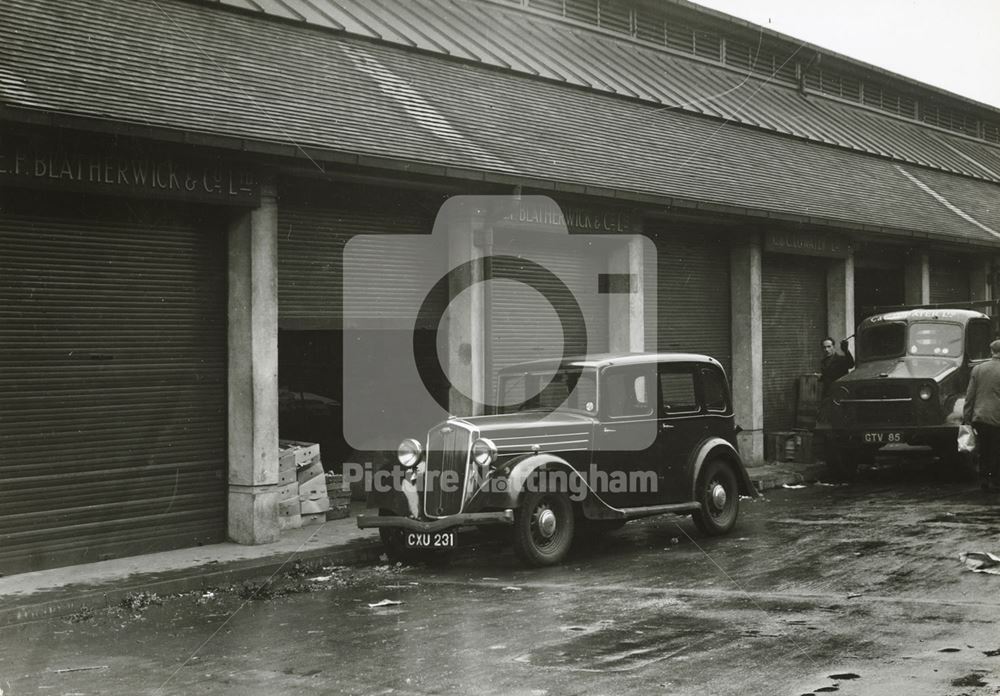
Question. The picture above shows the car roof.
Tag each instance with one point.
(944, 314)
(599, 360)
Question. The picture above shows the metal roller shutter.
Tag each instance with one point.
(793, 298)
(311, 241)
(113, 382)
(949, 280)
(524, 325)
(693, 296)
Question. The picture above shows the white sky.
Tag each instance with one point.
(953, 44)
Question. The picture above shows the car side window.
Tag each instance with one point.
(677, 394)
(627, 392)
(713, 386)
(977, 345)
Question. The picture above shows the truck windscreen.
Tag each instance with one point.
(935, 339)
(882, 341)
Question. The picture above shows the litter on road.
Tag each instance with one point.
(980, 562)
(793, 486)
(384, 603)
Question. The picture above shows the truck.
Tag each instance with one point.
(908, 386)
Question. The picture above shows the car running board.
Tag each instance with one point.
(677, 508)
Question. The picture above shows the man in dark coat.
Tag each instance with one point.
(982, 410)
(834, 365)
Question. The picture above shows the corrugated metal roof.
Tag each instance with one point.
(201, 69)
(511, 38)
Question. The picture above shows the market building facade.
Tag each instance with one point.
(180, 182)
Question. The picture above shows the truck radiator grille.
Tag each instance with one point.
(880, 414)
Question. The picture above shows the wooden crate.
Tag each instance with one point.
(303, 452)
(318, 518)
(789, 446)
(338, 511)
(807, 402)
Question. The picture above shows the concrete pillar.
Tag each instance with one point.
(466, 316)
(627, 310)
(979, 280)
(748, 349)
(253, 373)
(917, 280)
(840, 298)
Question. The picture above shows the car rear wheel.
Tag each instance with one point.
(543, 528)
(718, 492)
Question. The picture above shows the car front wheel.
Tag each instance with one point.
(543, 528)
(719, 496)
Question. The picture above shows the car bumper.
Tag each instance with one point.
(471, 519)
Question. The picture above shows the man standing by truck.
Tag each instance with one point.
(982, 411)
(834, 365)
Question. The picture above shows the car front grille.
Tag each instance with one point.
(447, 451)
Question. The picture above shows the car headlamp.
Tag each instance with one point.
(484, 452)
(409, 452)
(925, 392)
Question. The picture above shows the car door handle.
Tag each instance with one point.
(610, 430)
(666, 426)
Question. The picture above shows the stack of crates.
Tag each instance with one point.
(340, 497)
(302, 496)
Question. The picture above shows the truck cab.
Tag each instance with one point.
(908, 386)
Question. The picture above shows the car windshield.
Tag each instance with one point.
(935, 338)
(572, 388)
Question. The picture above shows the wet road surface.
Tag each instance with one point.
(847, 590)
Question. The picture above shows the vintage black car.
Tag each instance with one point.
(908, 387)
(577, 446)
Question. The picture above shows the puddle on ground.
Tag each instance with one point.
(621, 648)
(969, 680)
(963, 518)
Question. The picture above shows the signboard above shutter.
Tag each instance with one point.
(806, 244)
(105, 166)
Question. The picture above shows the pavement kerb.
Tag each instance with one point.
(53, 602)
(64, 601)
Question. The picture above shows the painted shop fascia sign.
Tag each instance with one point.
(807, 244)
(152, 173)
(533, 212)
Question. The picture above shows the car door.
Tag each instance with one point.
(626, 450)
(681, 426)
